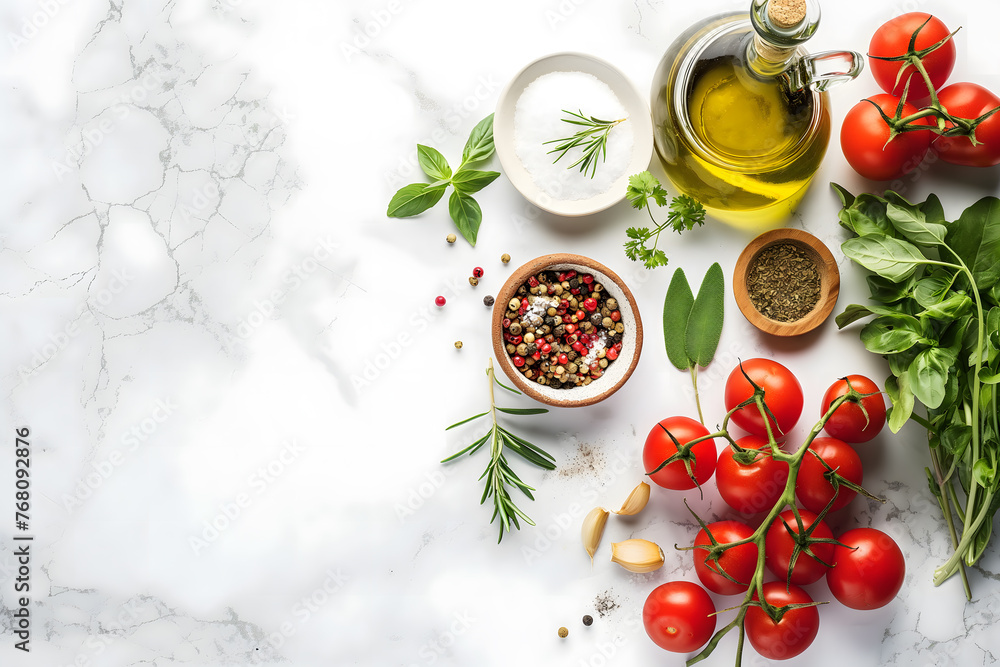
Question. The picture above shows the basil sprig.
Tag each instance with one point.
(416, 198)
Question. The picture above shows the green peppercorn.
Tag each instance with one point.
(505, 258)
(451, 238)
(612, 303)
(514, 304)
(458, 345)
(473, 281)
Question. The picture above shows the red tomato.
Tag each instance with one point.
(849, 422)
(740, 562)
(868, 572)
(679, 616)
(813, 489)
(659, 447)
(969, 100)
(864, 138)
(779, 544)
(787, 638)
(782, 394)
(755, 487)
(893, 39)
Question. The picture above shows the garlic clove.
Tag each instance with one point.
(636, 500)
(593, 529)
(637, 555)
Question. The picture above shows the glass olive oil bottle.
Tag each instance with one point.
(740, 117)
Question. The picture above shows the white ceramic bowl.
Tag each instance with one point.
(626, 92)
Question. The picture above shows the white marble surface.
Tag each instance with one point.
(236, 381)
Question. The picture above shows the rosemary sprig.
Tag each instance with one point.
(593, 139)
(499, 475)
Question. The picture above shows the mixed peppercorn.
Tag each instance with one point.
(562, 329)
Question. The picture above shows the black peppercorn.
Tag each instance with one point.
(588, 620)
(488, 300)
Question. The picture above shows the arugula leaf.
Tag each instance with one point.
(467, 215)
(414, 199)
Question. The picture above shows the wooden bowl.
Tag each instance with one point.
(616, 373)
(829, 277)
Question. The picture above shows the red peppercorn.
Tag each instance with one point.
(545, 348)
(570, 274)
(518, 361)
(574, 290)
(616, 315)
(590, 304)
(612, 354)
(578, 346)
(587, 279)
(524, 303)
(580, 315)
(551, 289)
(618, 347)
(440, 301)
(477, 272)
(506, 323)
(563, 359)
(516, 339)
(533, 281)
(536, 355)
(570, 328)
(567, 319)
(564, 304)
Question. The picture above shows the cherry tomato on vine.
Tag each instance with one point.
(755, 487)
(970, 100)
(864, 138)
(849, 422)
(813, 489)
(679, 616)
(740, 562)
(868, 572)
(779, 545)
(659, 447)
(893, 39)
(782, 394)
(787, 638)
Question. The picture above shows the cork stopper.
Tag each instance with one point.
(785, 14)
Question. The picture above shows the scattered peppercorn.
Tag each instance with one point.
(473, 281)
(564, 632)
(458, 345)
(588, 620)
(440, 301)
(505, 258)
(451, 238)
(478, 272)
(488, 300)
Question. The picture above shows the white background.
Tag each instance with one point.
(235, 445)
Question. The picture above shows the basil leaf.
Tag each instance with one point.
(676, 310)
(983, 473)
(851, 314)
(912, 224)
(928, 375)
(846, 198)
(886, 291)
(471, 181)
(975, 237)
(933, 210)
(891, 258)
(931, 289)
(951, 308)
(956, 438)
(433, 163)
(902, 401)
(467, 215)
(890, 334)
(900, 362)
(868, 216)
(414, 199)
(704, 326)
(480, 143)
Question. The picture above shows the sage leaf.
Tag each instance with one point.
(912, 224)
(902, 401)
(704, 326)
(433, 163)
(676, 310)
(480, 143)
(889, 334)
(891, 258)
(467, 215)
(928, 375)
(414, 199)
(975, 237)
(471, 181)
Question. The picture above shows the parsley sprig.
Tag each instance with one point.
(685, 213)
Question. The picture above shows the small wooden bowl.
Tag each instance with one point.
(615, 375)
(829, 277)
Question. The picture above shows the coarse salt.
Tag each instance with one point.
(601, 343)
(538, 118)
(534, 314)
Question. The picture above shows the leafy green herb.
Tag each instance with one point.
(692, 326)
(416, 198)
(685, 213)
(592, 139)
(936, 322)
(499, 475)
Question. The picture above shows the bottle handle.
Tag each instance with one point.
(822, 71)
